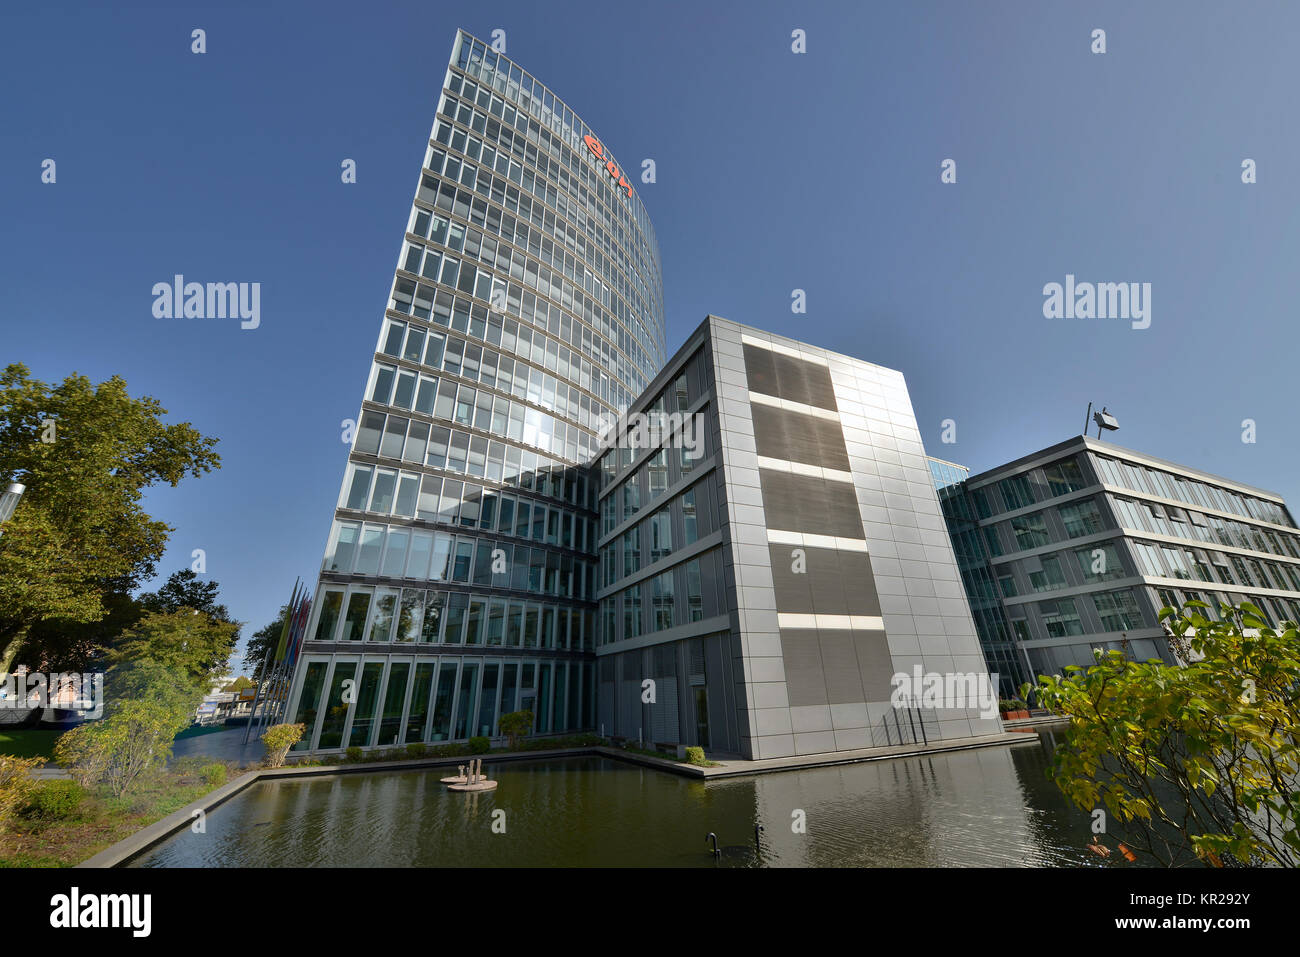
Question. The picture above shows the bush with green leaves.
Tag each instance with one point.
(479, 745)
(279, 738)
(1199, 759)
(457, 750)
(696, 756)
(515, 725)
(55, 800)
(16, 785)
(214, 774)
(134, 737)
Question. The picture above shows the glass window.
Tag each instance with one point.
(381, 622)
(689, 524)
(1064, 477)
(363, 721)
(355, 621)
(1081, 518)
(336, 710)
(662, 601)
(1060, 618)
(409, 614)
(1030, 531)
(1099, 563)
(435, 604)
(330, 606)
(359, 489)
(1118, 610)
(1050, 577)
(1016, 492)
(661, 535)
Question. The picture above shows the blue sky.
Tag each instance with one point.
(776, 171)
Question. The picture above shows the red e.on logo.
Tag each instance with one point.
(598, 151)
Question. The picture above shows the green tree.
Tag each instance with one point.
(1197, 759)
(147, 680)
(58, 644)
(147, 703)
(515, 725)
(86, 453)
(183, 589)
(263, 640)
(188, 642)
(135, 738)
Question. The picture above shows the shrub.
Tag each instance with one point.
(353, 754)
(515, 725)
(449, 751)
(135, 737)
(696, 756)
(16, 785)
(214, 774)
(1200, 759)
(479, 745)
(415, 749)
(55, 800)
(279, 738)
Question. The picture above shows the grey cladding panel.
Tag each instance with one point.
(840, 663)
(774, 373)
(833, 583)
(802, 503)
(805, 681)
(795, 437)
(835, 666)
(875, 665)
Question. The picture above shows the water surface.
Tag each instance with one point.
(979, 808)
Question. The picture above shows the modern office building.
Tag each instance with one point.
(771, 571)
(526, 312)
(749, 578)
(1087, 541)
(1003, 654)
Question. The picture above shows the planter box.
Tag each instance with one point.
(1012, 715)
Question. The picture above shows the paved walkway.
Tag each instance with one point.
(221, 746)
(733, 768)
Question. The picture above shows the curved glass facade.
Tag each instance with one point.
(526, 312)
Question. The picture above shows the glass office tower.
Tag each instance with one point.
(526, 311)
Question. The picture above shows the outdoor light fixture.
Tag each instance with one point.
(1103, 419)
(9, 501)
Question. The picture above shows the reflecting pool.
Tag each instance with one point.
(984, 807)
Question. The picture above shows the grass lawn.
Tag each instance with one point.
(28, 743)
(102, 820)
(35, 742)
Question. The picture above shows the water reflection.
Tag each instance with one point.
(984, 807)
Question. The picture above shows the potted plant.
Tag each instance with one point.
(1012, 708)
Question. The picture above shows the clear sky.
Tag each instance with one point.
(776, 171)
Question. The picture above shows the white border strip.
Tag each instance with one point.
(788, 406)
(784, 350)
(800, 468)
(776, 536)
(831, 622)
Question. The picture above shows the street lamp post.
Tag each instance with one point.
(9, 501)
